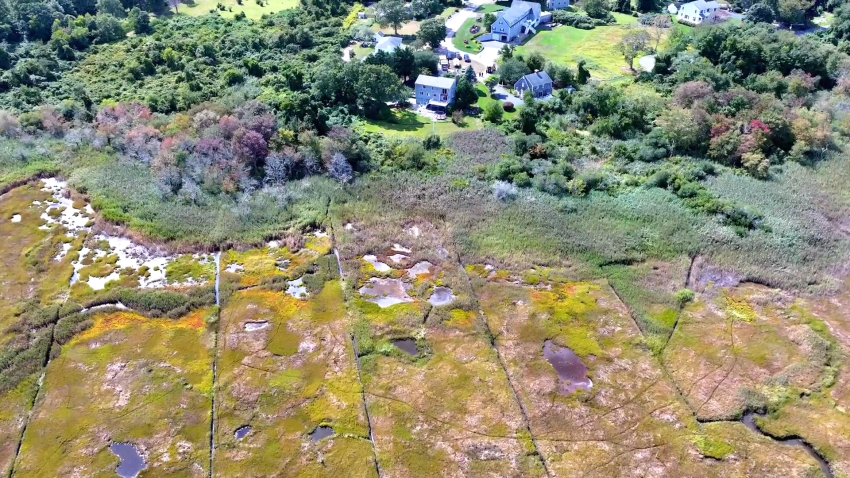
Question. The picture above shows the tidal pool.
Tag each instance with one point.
(441, 296)
(386, 292)
(131, 460)
(321, 432)
(406, 345)
(570, 369)
(242, 432)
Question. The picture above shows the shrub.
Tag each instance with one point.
(504, 191)
(508, 106)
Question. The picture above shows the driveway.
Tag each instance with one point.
(454, 22)
(502, 94)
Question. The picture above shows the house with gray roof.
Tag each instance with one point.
(436, 92)
(522, 17)
(538, 82)
(558, 4)
(695, 13)
(387, 44)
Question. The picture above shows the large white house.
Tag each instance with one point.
(694, 13)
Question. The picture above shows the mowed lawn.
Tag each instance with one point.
(231, 7)
(409, 123)
(597, 47)
(463, 34)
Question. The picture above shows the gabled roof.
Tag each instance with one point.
(702, 4)
(519, 10)
(539, 78)
(388, 44)
(436, 81)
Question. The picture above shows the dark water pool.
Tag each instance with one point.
(570, 369)
(131, 460)
(242, 432)
(321, 432)
(407, 345)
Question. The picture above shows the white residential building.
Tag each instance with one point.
(694, 13)
(558, 4)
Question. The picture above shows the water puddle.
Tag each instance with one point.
(399, 248)
(441, 296)
(396, 258)
(407, 345)
(386, 292)
(749, 421)
(297, 288)
(570, 369)
(255, 326)
(16, 218)
(242, 432)
(378, 265)
(321, 432)
(419, 268)
(131, 461)
(234, 268)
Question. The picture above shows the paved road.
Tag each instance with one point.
(503, 95)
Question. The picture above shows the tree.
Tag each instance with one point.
(493, 112)
(760, 13)
(111, 7)
(506, 52)
(470, 74)
(512, 70)
(488, 21)
(404, 62)
(535, 61)
(582, 73)
(425, 61)
(491, 82)
(793, 11)
(597, 8)
(391, 13)
(340, 169)
(108, 29)
(465, 95)
(840, 28)
(634, 42)
(432, 31)
(645, 6)
(424, 8)
(140, 21)
(657, 29)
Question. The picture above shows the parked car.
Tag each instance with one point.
(466, 58)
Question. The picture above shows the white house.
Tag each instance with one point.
(672, 9)
(522, 17)
(558, 4)
(694, 13)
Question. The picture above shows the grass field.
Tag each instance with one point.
(463, 34)
(490, 8)
(408, 122)
(484, 99)
(449, 11)
(250, 7)
(596, 47)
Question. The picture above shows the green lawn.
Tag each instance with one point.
(484, 99)
(359, 52)
(250, 7)
(489, 8)
(409, 123)
(568, 45)
(463, 34)
(448, 12)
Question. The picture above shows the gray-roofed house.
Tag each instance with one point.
(387, 44)
(522, 17)
(435, 91)
(695, 13)
(539, 83)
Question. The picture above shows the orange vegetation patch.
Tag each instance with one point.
(123, 319)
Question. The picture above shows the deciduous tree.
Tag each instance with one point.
(391, 13)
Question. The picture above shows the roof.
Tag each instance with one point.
(388, 44)
(435, 81)
(702, 4)
(519, 10)
(536, 79)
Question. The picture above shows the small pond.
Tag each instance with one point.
(570, 369)
(131, 460)
(242, 432)
(406, 345)
(255, 326)
(378, 265)
(321, 432)
(297, 288)
(386, 292)
(419, 268)
(441, 296)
